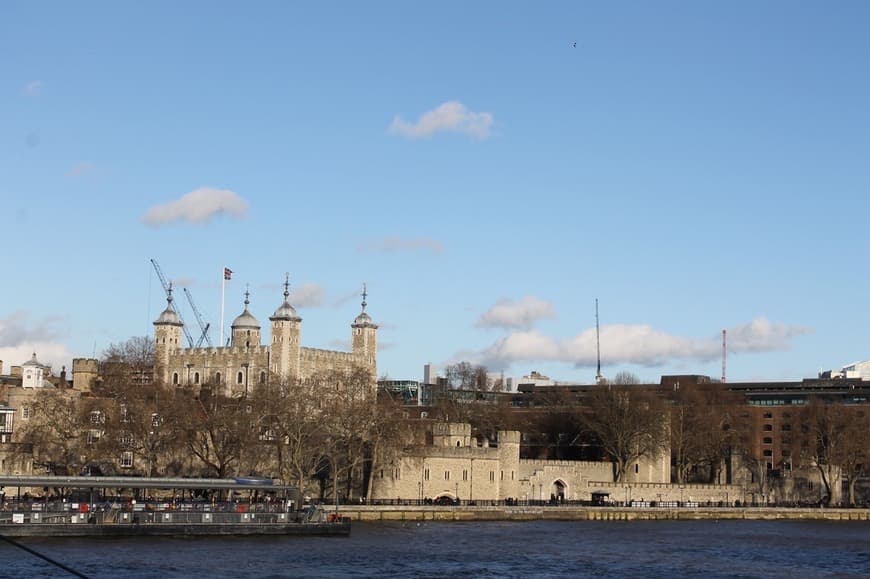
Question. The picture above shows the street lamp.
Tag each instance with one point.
(681, 495)
(420, 492)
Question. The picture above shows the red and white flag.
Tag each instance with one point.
(228, 273)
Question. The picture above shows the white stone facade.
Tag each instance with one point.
(455, 466)
(238, 368)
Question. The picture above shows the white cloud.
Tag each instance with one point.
(21, 336)
(32, 88)
(637, 344)
(761, 335)
(450, 116)
(80, 169)
(309, 295)
(199, 206)
(52, 354)
(19, 327)
(521, 314)
(397, 244)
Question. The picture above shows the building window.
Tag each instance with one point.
(240, 378)
(25, 413)
(464, 475)
(127, 459)
(426, 474)
(492, 476)
(217, 377)
(126, 440)
(768, 427)
(175, 378)
(768, 415)
(446, 475)
(501, 475)
(262, 377)
(636, 468)
(768, 452)
(767, 440)
(97, 417)
(196, 377)
(93, 436)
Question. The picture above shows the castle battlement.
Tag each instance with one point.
(247, 361)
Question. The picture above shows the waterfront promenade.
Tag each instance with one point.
(585, 513)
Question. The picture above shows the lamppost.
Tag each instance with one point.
(457, 493)
(681, 495)
(420, 493)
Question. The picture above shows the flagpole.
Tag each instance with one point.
(223, 291)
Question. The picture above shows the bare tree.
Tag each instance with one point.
(833, 439)
(141, 420)
(630, 424)
(58, 430)
(467, 376)
(216, 429)
(126, 363)
(701, 432)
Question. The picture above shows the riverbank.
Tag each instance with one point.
(572, 513)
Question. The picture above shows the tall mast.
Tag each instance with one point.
(723, 356)
(598, 375)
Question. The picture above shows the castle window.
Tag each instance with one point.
(446, 475)
(262, 377)
(426, 474)
(501, 476)
(492, 476)
(196, 377)
(175, 377)
(240, 378)
(217, 377)
(127, 459)
(458, 443)
(464, 475)
(247, 344)
(636, 468)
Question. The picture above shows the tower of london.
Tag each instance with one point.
(245, 362)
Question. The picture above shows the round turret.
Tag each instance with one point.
(169, 317)
(246, 319)
(285, 311)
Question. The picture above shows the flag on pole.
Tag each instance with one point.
(228, 273)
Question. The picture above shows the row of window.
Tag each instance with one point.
(240, 378)
(426, 473)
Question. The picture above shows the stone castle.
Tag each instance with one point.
(237, 368)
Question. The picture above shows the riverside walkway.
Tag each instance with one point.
(586, 513)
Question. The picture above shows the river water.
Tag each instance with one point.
(486, 549)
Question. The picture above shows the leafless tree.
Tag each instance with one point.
(834, 440)
(58, 430)
(629, 423)
(467, 376)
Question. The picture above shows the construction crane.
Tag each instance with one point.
(203, 326)
(167, 287)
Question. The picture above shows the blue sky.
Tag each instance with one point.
(695, 166)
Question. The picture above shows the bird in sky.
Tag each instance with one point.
(575, 45)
